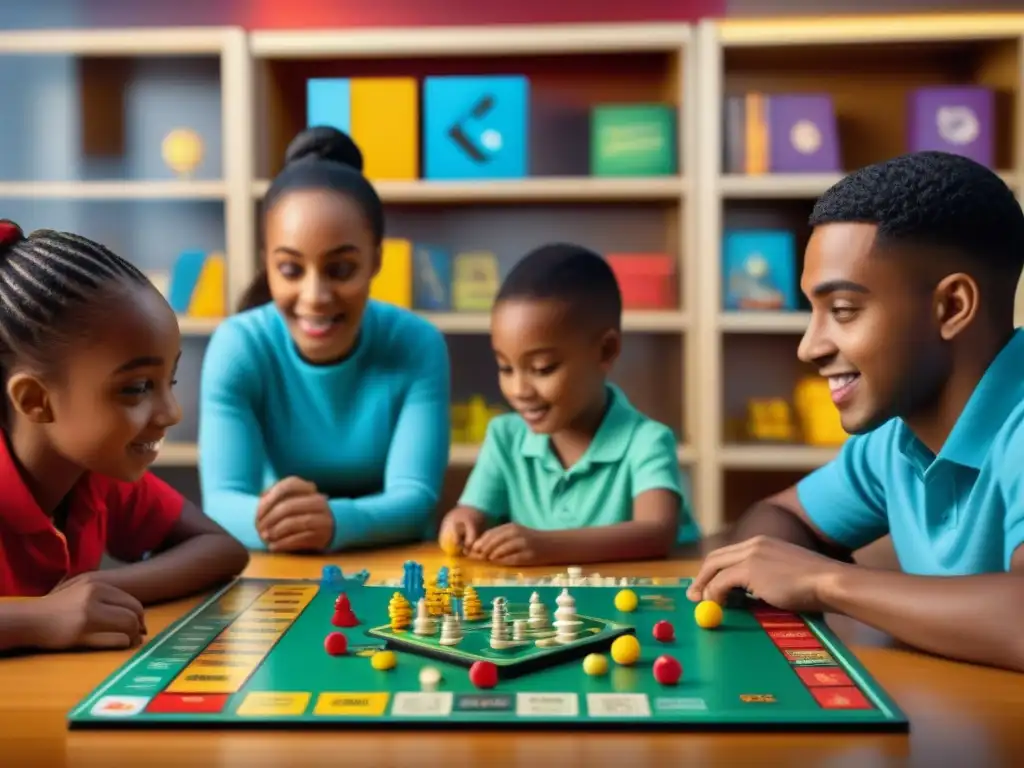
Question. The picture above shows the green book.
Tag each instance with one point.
(633, 140)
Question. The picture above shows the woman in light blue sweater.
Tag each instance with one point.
(324, 415)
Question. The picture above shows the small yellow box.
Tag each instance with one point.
(475, 283)
(385, 121)
(208, 299)
(393, 284)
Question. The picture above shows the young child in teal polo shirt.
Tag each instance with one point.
(576, 474)
(911, 271)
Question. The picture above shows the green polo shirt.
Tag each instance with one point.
(518, 478)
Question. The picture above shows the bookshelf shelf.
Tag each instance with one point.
(678, 360)
(764, 322)
(559, 190)
(114, 190)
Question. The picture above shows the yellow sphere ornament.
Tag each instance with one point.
(626, 650)
(183, 151)
(626, 601)
(708, 614)
(595, 665)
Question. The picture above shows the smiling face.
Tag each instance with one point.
(876, 327)
(551, 370)
(321, 259)
(108, 408)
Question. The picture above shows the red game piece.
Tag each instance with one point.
(336, 644)
(667, 670)
(483, 674)
(343, 614)
(664, 632)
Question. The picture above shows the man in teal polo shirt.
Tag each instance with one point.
(576, 474)
(911, 271)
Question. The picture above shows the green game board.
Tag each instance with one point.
(253, 656)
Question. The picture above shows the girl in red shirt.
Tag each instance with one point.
(88, 354)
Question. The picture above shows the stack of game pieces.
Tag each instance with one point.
(451, 630)
(399, 612)
(566, 624)
(519, 631)
(435, 605)
(425, 624)
(456, 586)
(472, 608)
(499, 624)
(343, 613)
(538, 614)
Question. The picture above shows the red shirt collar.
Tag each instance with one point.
(19, 509)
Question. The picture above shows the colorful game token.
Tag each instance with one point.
(384, 660)
(667, 670)
(664, 632)
(626, 601)
(336, 644)
(483, 674)
(626, 650)
(595, 664)
(708, 614)
(343, 614)
(430, 677)
(450, 545)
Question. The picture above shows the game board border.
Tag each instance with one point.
(894, 718)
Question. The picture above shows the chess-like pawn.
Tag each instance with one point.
(451, 630)
(499, 624)
(425, 624)
(538, 614)
(566, 624)
(519, 631)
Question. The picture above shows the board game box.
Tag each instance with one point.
(567, 651)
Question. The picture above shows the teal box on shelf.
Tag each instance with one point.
(476, 127)
(328, 102)
(633, 140)
(759, 270)
(431, 278)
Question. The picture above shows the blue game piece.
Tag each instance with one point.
(442, 577)
(412, 581)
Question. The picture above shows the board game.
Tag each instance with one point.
(566, 651)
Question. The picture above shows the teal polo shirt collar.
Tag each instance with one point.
(610, 443)
(1000, 390)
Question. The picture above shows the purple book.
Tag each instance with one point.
(958, 119)
(802, 134)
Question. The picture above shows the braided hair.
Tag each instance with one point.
(46, 279)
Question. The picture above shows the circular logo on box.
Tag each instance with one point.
(805, 137)
(957, 125)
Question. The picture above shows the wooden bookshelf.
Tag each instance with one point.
(687, 366)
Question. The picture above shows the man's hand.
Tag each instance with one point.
(511, 544)
(784, 575)
(293, 516)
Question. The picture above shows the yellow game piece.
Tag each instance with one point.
(626, 601)
(450, 545)
(472, 608)
(384, 660)
(399, 612)
(595, 664)
(626, 650)
(708, 614)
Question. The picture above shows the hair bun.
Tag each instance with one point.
(324, 143)
(10, 233)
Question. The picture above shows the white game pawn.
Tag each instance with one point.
(538, 613)
(500, 637)
(425, 624)
(451, 631)
(519, 631)
(575, 575)
(566, 624)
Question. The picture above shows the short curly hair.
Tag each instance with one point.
(934, 201)
(570, 273)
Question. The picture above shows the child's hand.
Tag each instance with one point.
(89, 614)
(461, 525)
(511, 544)
(294, 517)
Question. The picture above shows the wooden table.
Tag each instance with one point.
(960, 715)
